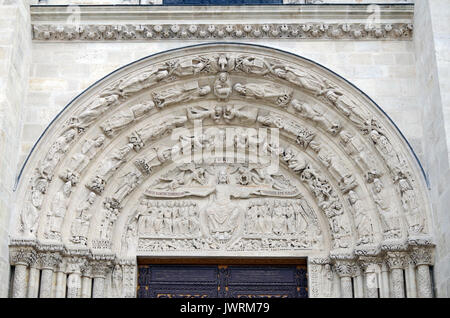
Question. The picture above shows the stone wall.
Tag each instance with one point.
(15, 58)
(432, 45)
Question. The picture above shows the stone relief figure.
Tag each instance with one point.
(389, 217)
(178, 94)
(305, 80)
(111, 211)
(57, 211)
(223, 86)
(125, 117)
(252, 65)
(142, 81)
(112, 163)
(29, 218)
(203, 112)
(362, 220)
(130, 181)
(244, 114)
(358, 152)
(390, 156)
(94, 111)
(152, 132)
(344, 104)
(277, 95)
(155, 159)
(311, 113)
(80, 225)
(117, 281)
(56, 151)
(129, 241)
(414, 218)
(80, 160)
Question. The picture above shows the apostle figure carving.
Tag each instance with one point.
(80, 225)
(277, 95)
(362, 219)
(94, 111)
(311, 113)
(56, 151)
(414, 217)
(305, 80)
(80, 160)
(179, 94)
(126, 117)
(57, 211)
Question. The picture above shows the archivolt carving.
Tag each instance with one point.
(347, 183)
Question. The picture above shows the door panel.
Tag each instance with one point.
(222, 281)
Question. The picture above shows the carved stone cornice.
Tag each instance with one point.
(112, 23)
(150, 32)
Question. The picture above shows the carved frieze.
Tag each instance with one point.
(149, 32)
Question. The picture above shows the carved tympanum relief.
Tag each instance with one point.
(345, 184)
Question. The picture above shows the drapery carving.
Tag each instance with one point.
(140, 167)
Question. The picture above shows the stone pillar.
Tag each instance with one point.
(33, 281)
(61, 279)
(411, 287)
(20, 281)
(49, 261)
(86, 282)
(359, 283)
(345, 270)
(396, 263)
(21, 258)
(371, 270)
(422, 257)
(384, 281)
(99, 271)
(74, 266)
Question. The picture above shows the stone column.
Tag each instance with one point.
(422, 257)
(359, 283)
(371, 270)
(86, 282)
(411, 288)
(61, 278)
(49, 261)
(99, 271)
(74, 265)
(396, 263)
(33, 281)
(345, 270)
(384, 281)
(21, 258)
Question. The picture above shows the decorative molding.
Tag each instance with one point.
(308, 22)
(218, 32)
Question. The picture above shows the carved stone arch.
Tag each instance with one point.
(108, 158)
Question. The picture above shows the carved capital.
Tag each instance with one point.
(422, 256)
(49, 260)
(346, 268)
(396, 260)
(100, 268)
(22, 256)
(369, 264)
